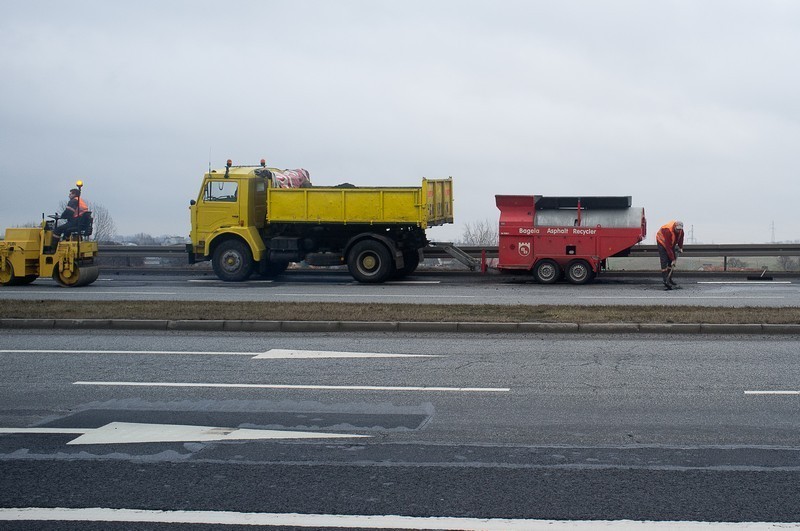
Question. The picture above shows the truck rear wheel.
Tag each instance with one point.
(232, 261)
(547, 271)
(410, 264)
(370, 261)
(579, 272)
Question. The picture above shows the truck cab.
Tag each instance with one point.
(230, 207)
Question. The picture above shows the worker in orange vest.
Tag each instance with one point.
(76, 207)
(670, 242)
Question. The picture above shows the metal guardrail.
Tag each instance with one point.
(141, 250)
(638, 251)
(645, 251)
(159, 258)
(725, 250)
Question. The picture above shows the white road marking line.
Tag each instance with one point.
(102, 514)
(159, 352)
(274, 354)
(136, 432)
(277, 353)
(227, 284)
(772, 392)
(400, 282)
(377, 295)
(303, 387)
(44, 431)
(94, 292)
(744, 282)
(688, 297)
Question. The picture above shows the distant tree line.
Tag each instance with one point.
(104, 230)
(481, 232)
(787, 263)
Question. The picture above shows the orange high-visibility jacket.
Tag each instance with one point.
(79, 209)
(669, 237)
(82, 207)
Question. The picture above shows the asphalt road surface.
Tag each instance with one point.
(574, 428)
(713, 291)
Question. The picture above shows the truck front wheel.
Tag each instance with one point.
(232, 261)
(547, 271)
(370, 261)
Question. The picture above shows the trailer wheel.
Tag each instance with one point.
(369, 261)
(579, 272)
(547, 271)
(232, 261)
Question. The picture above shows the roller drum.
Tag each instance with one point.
(80, 276)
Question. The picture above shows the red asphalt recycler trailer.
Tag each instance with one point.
(569, 237)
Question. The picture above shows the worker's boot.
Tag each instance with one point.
(665, 277)
(669, 278)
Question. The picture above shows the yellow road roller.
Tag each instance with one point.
(29, 253)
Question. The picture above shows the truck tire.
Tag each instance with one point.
(370, 261)
(579, 272)
(547, 271)
(232, 261)
(410, 264)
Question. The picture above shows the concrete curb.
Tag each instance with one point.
(405, 326)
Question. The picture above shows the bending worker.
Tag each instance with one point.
(76, 207)
(670, 241)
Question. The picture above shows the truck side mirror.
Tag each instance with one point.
(192, 202)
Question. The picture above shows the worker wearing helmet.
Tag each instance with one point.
(670, 242)
(76, 207)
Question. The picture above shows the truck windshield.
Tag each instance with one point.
(221, 191)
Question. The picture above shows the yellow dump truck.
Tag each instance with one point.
(244, 222)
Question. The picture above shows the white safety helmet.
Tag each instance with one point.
(679, 225)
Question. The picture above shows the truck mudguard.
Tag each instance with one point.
(248, 234)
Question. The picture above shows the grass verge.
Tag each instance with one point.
(312, 311)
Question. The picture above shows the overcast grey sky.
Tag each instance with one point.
(691, 107)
